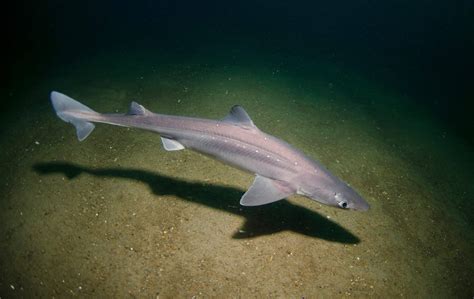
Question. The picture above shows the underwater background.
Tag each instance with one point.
(381, 93)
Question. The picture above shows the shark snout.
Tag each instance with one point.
(361, 205)
(345, 197)
(350, 199)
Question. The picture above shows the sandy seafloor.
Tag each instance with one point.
(117, 216)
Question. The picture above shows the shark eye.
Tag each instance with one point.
(342, 204)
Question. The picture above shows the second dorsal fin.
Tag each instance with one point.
(137, 109)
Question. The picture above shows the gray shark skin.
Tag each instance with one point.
(281, 170)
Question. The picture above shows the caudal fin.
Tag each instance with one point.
(66, 107)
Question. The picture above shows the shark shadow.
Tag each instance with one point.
(260, 220)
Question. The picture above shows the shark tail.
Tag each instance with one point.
(73, 112)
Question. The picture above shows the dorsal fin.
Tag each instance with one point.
(137, 109)
(239, 116)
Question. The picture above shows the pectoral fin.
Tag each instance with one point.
(265, 190)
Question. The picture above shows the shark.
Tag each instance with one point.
(280, 169)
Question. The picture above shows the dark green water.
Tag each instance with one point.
(379, 93)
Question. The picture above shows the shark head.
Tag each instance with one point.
(347, 198)
(329, 190)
